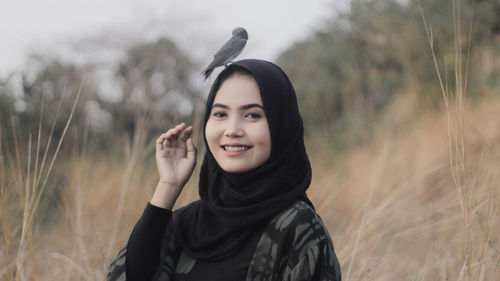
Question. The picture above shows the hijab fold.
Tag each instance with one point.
(233, 206)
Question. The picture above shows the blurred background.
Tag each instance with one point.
(400, 100)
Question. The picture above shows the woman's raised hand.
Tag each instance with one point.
(175, 158)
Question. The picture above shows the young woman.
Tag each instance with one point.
(254, 220)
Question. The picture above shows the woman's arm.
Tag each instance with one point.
(143, 247)
(175, 158)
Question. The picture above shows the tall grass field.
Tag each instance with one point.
(419, 199)
(392, 205)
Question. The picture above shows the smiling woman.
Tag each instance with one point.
(254, 220)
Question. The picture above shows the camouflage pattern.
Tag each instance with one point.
(294, 246)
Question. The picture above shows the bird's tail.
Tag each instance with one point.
(207, 72)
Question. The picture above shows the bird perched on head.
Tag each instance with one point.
(229, 51)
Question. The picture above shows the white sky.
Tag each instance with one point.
(200, 27)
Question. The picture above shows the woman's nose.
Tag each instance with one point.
(234, 129)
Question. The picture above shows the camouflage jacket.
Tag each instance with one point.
(294, 246)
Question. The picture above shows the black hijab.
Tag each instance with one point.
(233, 206)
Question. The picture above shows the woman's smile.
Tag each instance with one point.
(233, 150)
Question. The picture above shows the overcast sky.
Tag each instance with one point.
(198, 26)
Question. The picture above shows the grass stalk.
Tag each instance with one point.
(33, 195)
(381, 160)
(135, 155)
(456, 129)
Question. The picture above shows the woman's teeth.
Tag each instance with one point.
(235, 148)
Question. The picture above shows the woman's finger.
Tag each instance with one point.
(169, 139)
(191, 150)
(160, 142)
(178, 129)
(173, 134)
(186, 134)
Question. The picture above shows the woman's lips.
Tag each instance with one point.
(235, 149)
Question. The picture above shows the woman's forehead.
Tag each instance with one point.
(238, 90)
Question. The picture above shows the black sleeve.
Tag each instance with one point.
(143, 248)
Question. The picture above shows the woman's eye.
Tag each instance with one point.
(253, 115)
(219, 114)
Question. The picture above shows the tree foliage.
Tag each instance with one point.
(151, 82)
(154, 81)
(352, 68)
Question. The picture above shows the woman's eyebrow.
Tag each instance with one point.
(220, 105)
(244, 107)
(247, 106)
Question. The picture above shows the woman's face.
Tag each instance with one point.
(237, 131)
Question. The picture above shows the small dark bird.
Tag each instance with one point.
(229, 51)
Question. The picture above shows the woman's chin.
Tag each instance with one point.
(237, 168)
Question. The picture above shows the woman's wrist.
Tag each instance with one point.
(165, 195)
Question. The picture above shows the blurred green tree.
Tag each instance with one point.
(152, 83)
(42, 96)
(346, 73)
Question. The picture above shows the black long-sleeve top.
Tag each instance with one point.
(143, 252)
(294, 245)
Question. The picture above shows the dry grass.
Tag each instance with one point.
(392, 205)
(395, 205)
